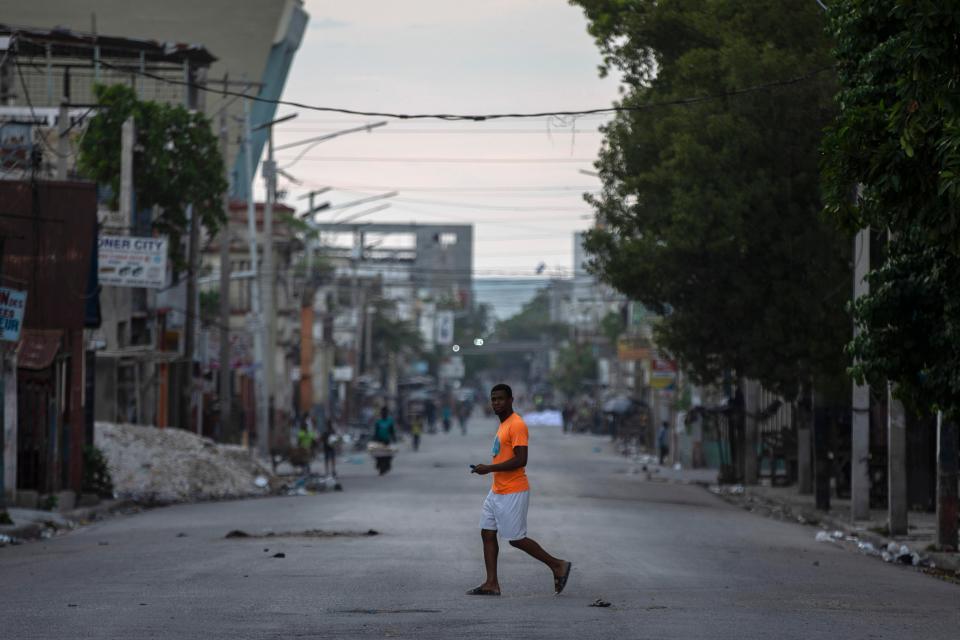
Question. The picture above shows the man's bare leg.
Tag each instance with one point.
(491, 549)
(532, 548)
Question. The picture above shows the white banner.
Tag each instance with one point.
(127, 261)
(444, 327)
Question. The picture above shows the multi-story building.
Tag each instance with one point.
(255, 43)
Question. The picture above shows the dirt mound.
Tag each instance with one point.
(160, 466)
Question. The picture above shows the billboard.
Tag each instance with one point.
(128, 261)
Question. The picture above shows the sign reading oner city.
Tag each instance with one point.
(127, 261)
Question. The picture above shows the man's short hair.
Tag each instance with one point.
(502, 387)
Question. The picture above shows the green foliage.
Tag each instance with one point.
(575, 367)
(177, 161)
(612, 325)
(96, 475)
(474, 322)
(392, 336)
(532, 322)
(49, 502)
(710, 212)
(897, 136)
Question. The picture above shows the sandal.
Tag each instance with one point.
(480, 591)
(560, 582)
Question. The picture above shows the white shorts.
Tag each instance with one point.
(506, 513)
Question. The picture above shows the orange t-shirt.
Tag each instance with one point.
(512, 433)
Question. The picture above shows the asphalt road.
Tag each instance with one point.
(674, 561)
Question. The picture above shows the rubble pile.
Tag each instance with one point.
(160, 466)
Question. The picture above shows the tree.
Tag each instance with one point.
(576, 367)
(532, 322)
(392, 336)
(177, 161)
(897, 136)
(710, 211)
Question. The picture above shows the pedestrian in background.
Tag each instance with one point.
(663, 444)
(416, 430)
(505, 507)
(330, 440)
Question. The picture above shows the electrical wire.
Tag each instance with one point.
(439, 160)
(481, 117)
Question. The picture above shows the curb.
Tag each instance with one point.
(75, 518)
(812, 517)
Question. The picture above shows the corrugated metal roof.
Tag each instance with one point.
(67, 43)
(38, 348)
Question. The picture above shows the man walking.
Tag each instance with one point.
(505, 508)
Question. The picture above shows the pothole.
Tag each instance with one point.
(309, 533)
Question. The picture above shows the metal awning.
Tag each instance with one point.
(38, 348)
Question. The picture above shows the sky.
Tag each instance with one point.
(518, 181)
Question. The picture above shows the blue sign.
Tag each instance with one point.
(12, 305)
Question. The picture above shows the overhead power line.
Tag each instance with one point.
(480, 117)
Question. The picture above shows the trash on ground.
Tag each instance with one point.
(867, 549)
(279, 555)
(823, 536)
(261, 481)
(599, 603)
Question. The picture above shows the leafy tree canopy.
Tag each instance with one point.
(177, 160)
(897, 137)
(576, 366)
(709, 213)
(532, 322)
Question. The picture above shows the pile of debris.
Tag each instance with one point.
(162, 466)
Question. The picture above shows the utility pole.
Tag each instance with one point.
(269, 278)
(225, 397)
(63, 151)
(254, 319)
(896, 465)
(751, 410)
(190, 322)
(860, 421)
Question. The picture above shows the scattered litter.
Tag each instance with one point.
(279, 555)
(599, 603)
(867, 549)
(261, 482)
(823, 536)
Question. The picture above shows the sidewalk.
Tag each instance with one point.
(785, 503)
(32, 524)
